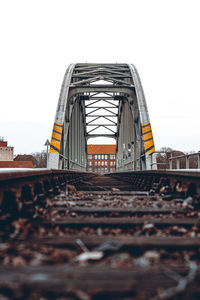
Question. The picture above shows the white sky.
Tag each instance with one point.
(38, 39)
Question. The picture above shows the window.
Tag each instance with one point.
(106, 163)
(106, 170)
(90, 156)
(99, 163)
(114, 163)
(111, 163)
(90, 169)
(95, 156)
(102, 163)
(99, 170)
(112, 156)
(95, 163)
(102, 156)
(106, 156)
(99, 156)
(90, 163)
(102, 170)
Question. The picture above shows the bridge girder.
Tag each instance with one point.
(101, 100)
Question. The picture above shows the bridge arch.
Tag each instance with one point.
(101, 100)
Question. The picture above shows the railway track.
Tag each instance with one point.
(78, 235)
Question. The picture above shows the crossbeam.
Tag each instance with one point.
(102, 88)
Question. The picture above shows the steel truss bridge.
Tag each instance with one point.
(101, 100)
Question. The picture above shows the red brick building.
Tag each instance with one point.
(29, 159)
(7, 155)
(6, 152)
(16, 164)
(101, 158)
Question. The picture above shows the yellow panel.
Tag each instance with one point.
(146, 128)
(56, 144)
(58, 128)
(56, 135)
(52, 150)
(151, 150)
(147, 136)
(145, 124)
(148, 144)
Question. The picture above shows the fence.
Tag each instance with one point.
(169, 163)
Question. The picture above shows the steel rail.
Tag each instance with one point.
(62, 237)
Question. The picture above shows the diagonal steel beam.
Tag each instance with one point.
(108, 129)
(93, 129)
(109, 120)
(89, 80)
(89, 113)
(121, 81)
(113, 104)
(88, 105)
(110, 111)
(94, 120)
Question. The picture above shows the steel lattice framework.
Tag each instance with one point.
(101, 100)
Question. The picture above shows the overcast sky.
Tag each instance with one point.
(40, 38)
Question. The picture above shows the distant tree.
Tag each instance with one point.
(41, 158)
(163, 159)
(27, 157)
(165, 149)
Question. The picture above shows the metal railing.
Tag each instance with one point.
(73, 165)
(187, 160)
(175, 158)
(153, 159)
(131, 162)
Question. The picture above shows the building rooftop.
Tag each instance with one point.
(101, 149)
(3, 144)
(16, 164)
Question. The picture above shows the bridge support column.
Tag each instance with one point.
(53, 160)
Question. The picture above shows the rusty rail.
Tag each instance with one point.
(77, 235)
